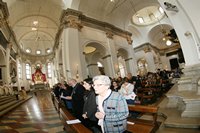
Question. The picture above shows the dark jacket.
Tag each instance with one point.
(77, 100)
(90, 106)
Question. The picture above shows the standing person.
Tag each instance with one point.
(24, 95)
(112, 107)
(90, 106)
(16, 93)
(77, 99)
(66, 90)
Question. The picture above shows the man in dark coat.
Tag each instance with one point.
(77, 98)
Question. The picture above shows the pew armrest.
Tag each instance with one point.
(145, 109)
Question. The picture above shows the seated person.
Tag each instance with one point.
(127, 90)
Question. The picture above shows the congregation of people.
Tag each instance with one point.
(9, 90)
(101, 103)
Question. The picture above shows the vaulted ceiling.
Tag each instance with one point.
(35, 22)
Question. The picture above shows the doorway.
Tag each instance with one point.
(174, 63)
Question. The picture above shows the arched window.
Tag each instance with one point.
(49, 69)
(28, 71)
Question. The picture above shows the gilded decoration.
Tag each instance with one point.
(129, 40)
(146, 49)
(109, 34)
(73, 22)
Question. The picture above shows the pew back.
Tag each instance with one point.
(66, 115)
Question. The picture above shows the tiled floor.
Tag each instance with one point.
(37, 115)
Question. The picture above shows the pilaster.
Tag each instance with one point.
(150, 59)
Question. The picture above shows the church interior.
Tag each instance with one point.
(44, 43)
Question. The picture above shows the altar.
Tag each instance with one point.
(39, 78)
(39, 86)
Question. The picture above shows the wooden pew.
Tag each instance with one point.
(65, 115)
(78, 128)
(140, 125)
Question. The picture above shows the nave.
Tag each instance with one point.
(37, 115)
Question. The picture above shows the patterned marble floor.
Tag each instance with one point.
(37, 115)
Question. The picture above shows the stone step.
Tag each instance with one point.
(2, 107)
(13, 105)
(164, 129)
(7, 101)
(5, 98)
(174, 119)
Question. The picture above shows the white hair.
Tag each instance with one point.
(104, 79)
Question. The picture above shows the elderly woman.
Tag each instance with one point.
(112, 107)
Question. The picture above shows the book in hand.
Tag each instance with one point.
(63, 97)
(73, 121)
(131, 123)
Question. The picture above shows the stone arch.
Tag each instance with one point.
(122, 55)
(157, 33)
(94, 52)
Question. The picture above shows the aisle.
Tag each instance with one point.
(37, 115)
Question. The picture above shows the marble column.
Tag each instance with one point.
(18, 79)
(131, 62)
(8, 79)
(150, 60)
(93, 70)
(56, 66)
(71, 47)
(111, 60)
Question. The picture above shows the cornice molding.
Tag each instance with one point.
(75, 19)
(128, 59)
(106, 56)
(33, 58)
(4, 10)
(151, 47)
(82, 20)
(91, 65)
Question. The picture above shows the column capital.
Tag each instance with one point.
(129, 40)
(146, 49)
(4, 13)
(9, 45)
(71, 21)
(109, 34)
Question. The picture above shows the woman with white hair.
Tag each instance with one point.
(112, 107)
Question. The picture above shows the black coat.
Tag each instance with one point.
(77, 100)
(90, 106)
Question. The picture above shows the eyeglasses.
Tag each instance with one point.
(97, 85)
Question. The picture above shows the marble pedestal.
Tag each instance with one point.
(185, 96)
